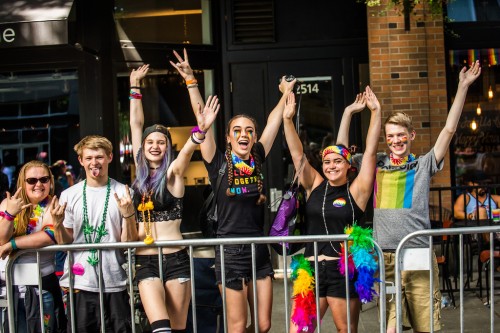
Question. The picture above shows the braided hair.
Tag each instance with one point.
(258, 163)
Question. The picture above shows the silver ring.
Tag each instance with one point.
(178, 64)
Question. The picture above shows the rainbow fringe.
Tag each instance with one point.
(304, 313)
(362, 257)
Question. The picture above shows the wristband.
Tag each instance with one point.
(135, 87)
(135, 95)
(194, 85)
(13, 243)
(191, 82)
(195, 140)
(7, 216)
(196, 129)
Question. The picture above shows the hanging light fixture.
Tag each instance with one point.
(478, 109)
(473, 125)
(490, 93)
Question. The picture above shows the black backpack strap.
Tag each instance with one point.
(217, 183)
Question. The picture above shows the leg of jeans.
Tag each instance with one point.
(48, 311)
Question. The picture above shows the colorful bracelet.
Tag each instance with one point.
(135, 95)
(196, 129)
(191, 82)
(195, 140)
(7, 216)
(13, 243)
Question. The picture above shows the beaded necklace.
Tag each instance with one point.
(401, 161)
(93, 235)
(147, 206)
(242, 166)
(323, 212)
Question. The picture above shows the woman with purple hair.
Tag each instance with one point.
(158, 193)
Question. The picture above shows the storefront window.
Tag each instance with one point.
(473, 10)
(171, 21)
(38, 111)
(477, 140)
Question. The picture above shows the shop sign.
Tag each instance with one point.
(38, 33)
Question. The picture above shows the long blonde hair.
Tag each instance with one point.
(24, 216)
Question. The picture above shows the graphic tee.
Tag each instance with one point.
(238, 216)
(401, 199)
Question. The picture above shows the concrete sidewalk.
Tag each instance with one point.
(476, 315)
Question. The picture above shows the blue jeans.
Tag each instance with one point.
(48, 313)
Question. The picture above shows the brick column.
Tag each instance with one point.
(407, 72)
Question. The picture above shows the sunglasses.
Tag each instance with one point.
(33, 181)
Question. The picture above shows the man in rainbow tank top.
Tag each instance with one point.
(402, 182)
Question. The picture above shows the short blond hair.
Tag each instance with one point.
(94, 142)
(401, 119)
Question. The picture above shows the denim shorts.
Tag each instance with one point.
(331, 281)
(175, 266)
(238, 264)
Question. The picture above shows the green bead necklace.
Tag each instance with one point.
(93, 235)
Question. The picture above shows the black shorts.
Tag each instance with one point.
(175, 266)
(238, 264)
(87, 312)
(331, 281)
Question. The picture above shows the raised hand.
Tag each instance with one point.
(138, 74)
(57, 212)
(358, 105)
(125, 204)
(467, 77)
(182, 66)
(15, 203)
(285, 86)
(289, 111)
(371, 100)
(206, 117)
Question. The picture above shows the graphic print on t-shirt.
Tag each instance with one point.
(339, 202)
(394, 188)
(243, 183)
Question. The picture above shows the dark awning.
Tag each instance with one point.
(34, 23)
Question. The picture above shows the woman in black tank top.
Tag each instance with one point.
(333, 203)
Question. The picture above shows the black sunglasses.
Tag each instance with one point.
(33, 181)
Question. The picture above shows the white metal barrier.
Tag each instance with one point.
(191, 244)
(460, 232)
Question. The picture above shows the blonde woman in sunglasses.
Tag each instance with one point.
(26, 222)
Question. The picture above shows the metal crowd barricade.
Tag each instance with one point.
(440, 232)
(191, 244)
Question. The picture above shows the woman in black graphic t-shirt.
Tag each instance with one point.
(240, 208)
(333, 203)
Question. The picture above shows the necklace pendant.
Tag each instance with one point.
(92, 258)
(149, 240)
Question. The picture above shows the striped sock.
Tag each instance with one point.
(161, 326)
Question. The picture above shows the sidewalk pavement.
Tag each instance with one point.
(476, 314)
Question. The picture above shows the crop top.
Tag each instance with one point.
(168, 210)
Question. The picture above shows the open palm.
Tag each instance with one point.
(358, 105)
(206, 117)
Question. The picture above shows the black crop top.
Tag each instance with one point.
(169, 209)
(338, 214)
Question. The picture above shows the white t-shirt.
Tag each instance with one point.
(86, 275)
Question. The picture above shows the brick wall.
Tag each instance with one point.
(407, 73)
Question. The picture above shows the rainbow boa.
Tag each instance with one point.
(304, 312)
(361, 258)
